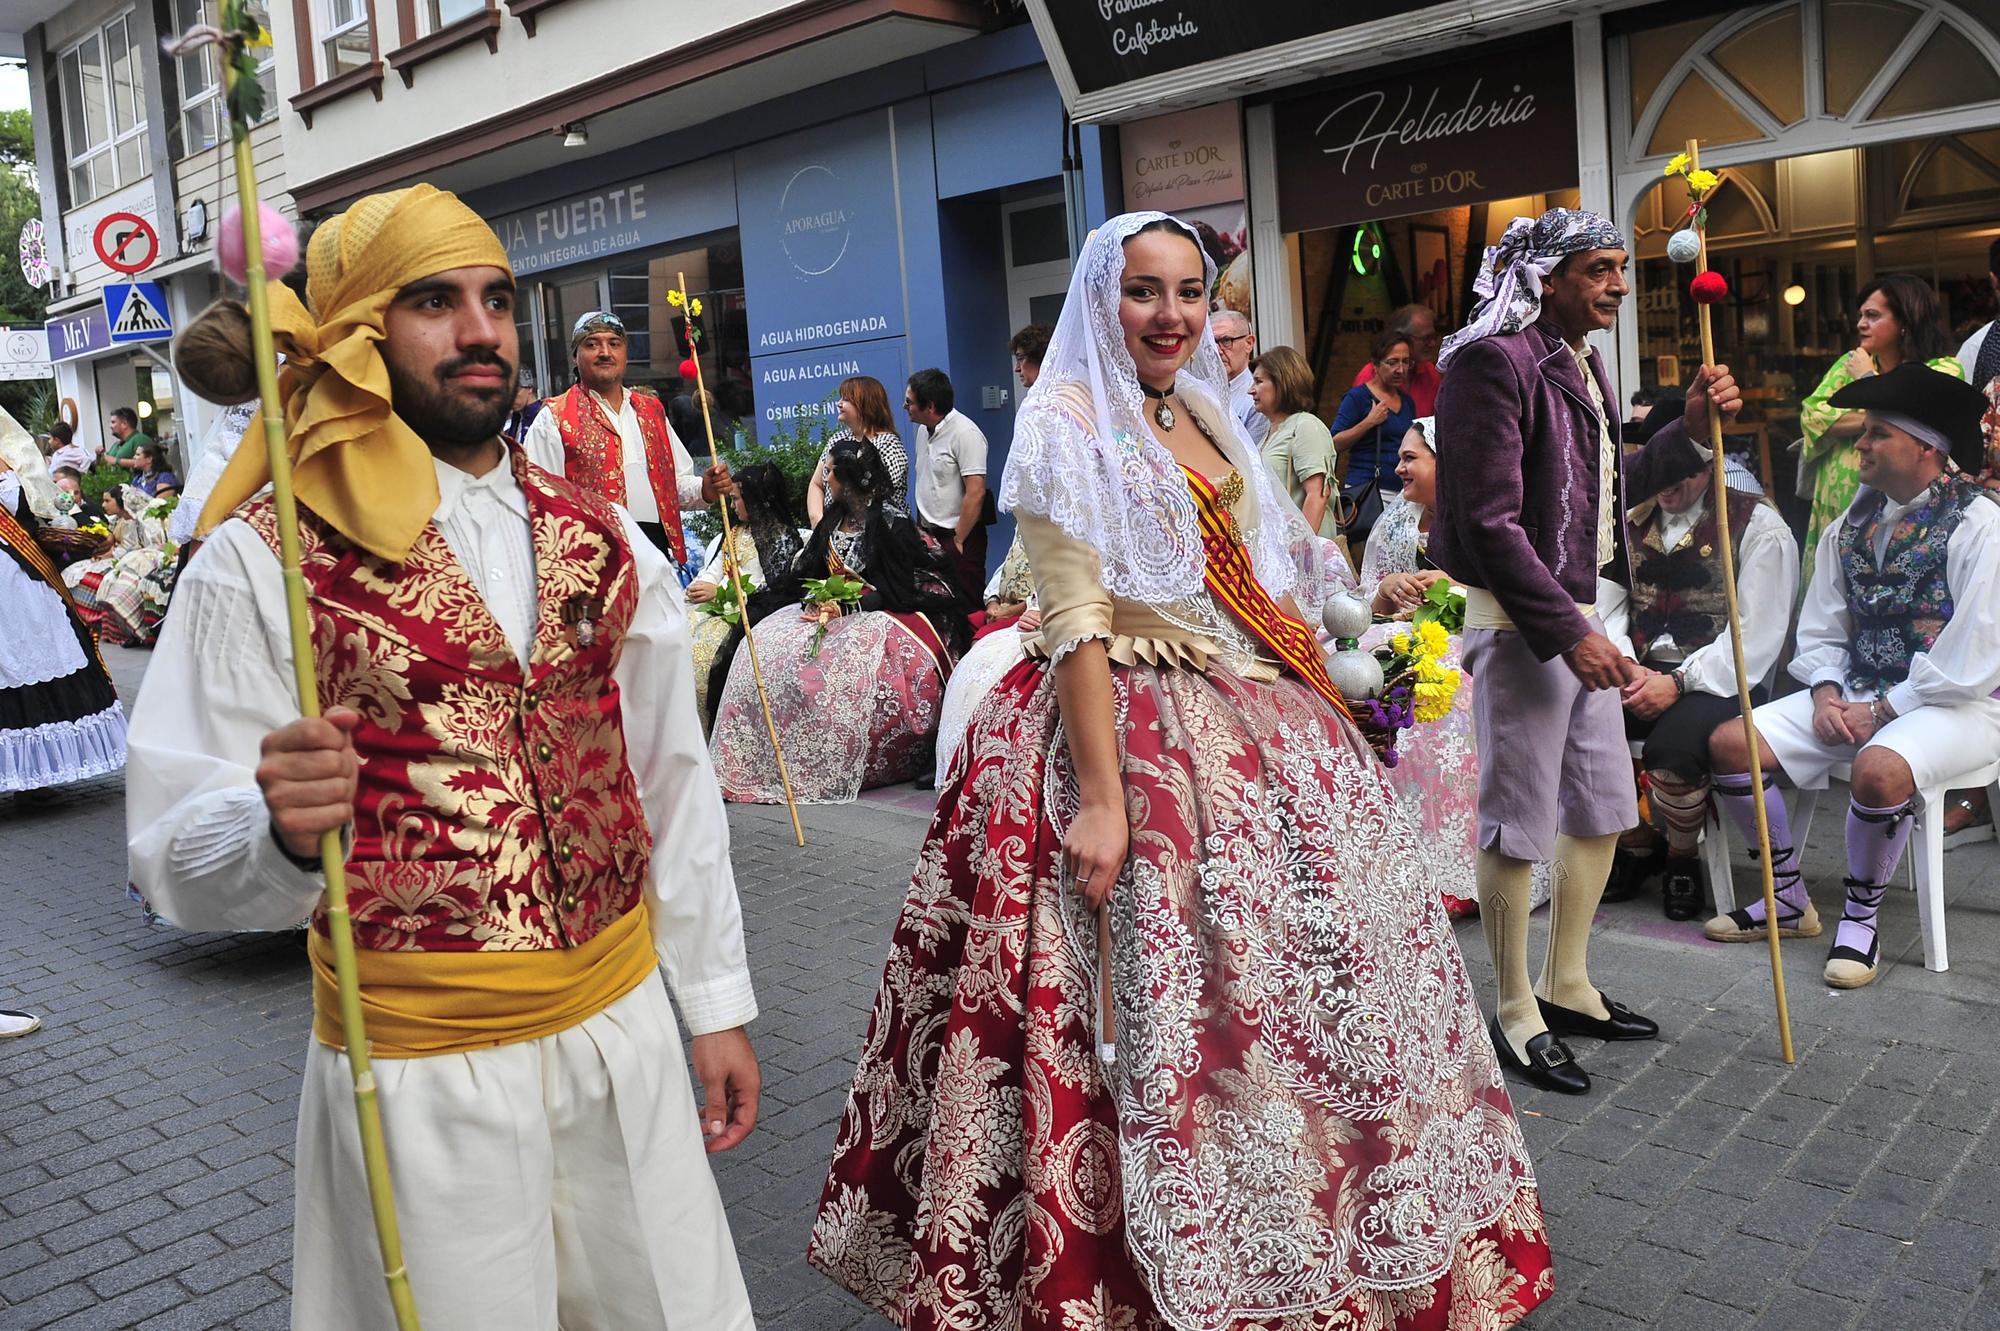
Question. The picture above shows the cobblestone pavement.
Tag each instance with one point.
(145, 1173)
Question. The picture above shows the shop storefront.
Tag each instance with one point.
(1853, 140)
(1853, 137)
(919, 232)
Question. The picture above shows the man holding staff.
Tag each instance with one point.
(510, 745)
(1900, 642)
(1528, 512)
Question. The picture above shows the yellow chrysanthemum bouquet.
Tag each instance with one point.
(1418, 688)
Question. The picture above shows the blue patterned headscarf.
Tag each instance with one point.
(1509, 285)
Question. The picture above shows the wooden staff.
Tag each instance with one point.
(1107, 1009)
(239, 29)
(1719, 500)
(736, 572)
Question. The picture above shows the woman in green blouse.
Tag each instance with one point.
(1899, 321)
(1298, 451)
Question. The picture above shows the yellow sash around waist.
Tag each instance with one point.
(420, 1003)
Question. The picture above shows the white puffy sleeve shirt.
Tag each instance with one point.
(221, 679)
(1962, 665)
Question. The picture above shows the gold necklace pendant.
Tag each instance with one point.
(1164, 414)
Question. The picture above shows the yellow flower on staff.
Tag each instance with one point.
(1701, 182)
(1677, 165)
(694, 307)
(675, 299)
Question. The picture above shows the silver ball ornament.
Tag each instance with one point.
(1684, 246)
(1357, 674)
(1346, 615)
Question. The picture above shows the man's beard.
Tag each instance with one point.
(441, 416)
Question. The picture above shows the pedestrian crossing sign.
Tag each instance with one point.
(137, 312)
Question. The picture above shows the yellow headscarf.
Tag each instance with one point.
(354, 461)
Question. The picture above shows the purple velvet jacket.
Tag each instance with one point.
(1517, 480)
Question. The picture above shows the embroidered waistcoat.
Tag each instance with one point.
(594, 454)
(1679, 593)
(1899, 609)
(496, 810)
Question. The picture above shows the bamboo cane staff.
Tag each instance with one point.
(240, 30)
(729, 562)
(1718, 499)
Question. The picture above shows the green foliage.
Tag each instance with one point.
(724, 605)
(1442, 604)
(795, 446)
(101, 478)
(243, 35)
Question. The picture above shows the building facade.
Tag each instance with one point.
(134, 172)
(852, 187)
(1379, 158)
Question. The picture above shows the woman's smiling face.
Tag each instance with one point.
(1163, 303)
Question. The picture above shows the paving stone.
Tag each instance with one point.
(1704, 1185)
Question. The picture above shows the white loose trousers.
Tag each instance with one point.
(555, 1183)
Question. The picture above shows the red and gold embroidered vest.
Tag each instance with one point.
(594, 455)
(496, 810)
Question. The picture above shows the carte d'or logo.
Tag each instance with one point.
(817, 223)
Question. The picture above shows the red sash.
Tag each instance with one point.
(1235, 587)
(594, 455)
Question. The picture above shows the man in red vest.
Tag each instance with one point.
(532, 829)
(617, 443)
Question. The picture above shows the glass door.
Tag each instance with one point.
(562, 304)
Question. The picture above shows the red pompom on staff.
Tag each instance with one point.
(1710, 288)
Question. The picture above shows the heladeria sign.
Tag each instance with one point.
(1500, 124)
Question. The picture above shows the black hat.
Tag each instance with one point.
(1943, 403)
(1664, 413)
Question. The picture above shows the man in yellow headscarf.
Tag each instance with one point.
(509, 735)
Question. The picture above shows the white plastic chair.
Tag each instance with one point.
(1926, 849)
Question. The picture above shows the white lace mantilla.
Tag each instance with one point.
(1084, 458)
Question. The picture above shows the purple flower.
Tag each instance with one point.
(1390, 758)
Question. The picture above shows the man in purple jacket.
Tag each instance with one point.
(1529, 505)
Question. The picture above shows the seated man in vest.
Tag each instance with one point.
(1676, 617)
(1899, 643)
(532, 827)
(616, 443)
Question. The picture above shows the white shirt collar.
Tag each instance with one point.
(617, 413)
(456, 486)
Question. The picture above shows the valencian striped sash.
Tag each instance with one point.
(1235, 587)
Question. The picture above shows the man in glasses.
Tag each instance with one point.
(617, 443)
(1238, 344)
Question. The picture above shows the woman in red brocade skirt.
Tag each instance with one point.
(1270, 1103)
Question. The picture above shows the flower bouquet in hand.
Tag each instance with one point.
(1417, 687)
(827, 599)
(724, 604)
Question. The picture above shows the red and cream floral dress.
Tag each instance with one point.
(1303, 1127)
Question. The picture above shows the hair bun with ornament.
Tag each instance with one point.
(214, 357)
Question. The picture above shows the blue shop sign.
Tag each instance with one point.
(800, 385)
(656, 209)
(821, 255)
(74, 336)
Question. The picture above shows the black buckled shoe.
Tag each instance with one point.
(1680, 890)
(1622, 1024)
(1550, 1064)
